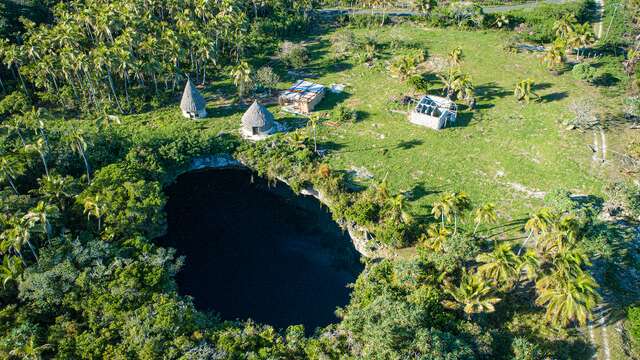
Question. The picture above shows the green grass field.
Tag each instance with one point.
(505, 152)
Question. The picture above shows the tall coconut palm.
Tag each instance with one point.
(9, 169)
(40, 148)
(15, 237)
(486, 214)
(460, 203)
(42, 214)
(474, 295)
(11, 269)
(443, 207)
(565, 26)
(94, 206)
(582, 37)
(524, 91)
(538, 223)
(78, 144)
(501, 265)
(312, 124)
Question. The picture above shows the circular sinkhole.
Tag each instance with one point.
(258, 251)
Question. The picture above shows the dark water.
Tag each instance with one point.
(259, 253)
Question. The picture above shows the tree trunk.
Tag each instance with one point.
(86, 163)
(44, 162)
(10, 180)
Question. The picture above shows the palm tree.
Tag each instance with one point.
(443, 207)
(94, 206)
(398, 209)
(455, 57)
(9, 169)
(312, 123)
(297, 140)
(501, 265)
(457, 84)
(568, 299)
(10, 269)
(582, 36)
(40, 148)
(436, 237)
(30, 350)
(78, 145)
(56, 188)
(474, 295)
(537, 223)
(484, 214)
(553, 58)
(460, 204)
(501, 21)
(241, 74)
(564, 233)
(564, 26)
(530, 264)
(15, 237)
(42, 214)
(403, 67)
(524, 91)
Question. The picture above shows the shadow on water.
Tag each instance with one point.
(258, 252)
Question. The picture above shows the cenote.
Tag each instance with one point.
(259, 252)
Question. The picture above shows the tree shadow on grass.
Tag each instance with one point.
(331, 100)
(491, 91)
(418, 191)
(540, 86)
(554, 96)
(410, 144)
(225, 111)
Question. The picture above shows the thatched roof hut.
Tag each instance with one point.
(258, 121)
(193, 105)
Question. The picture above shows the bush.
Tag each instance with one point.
(345, 114)
(343, 42)
(419, 83)
(584, 72)
(294, 55)
(633, 322)
(266, 79)
(539, 21)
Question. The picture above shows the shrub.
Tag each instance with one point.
(266, 79)
(345, 114)
(584, 72)
(294, 55)
(343, 42)
(633, 322)
(419, 83)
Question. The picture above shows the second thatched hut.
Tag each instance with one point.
(258, 122)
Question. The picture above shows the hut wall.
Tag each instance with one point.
(426, 120)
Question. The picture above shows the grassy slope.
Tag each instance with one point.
(525, 143)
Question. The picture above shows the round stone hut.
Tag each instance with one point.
(193, 105)
(258, 122)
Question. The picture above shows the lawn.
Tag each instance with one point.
(505, 152)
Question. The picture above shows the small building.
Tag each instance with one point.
(434, 112)
(193, 105)
(302, 97)
(258, 122)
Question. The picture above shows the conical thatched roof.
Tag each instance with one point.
(192, 100)
(257, 116)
